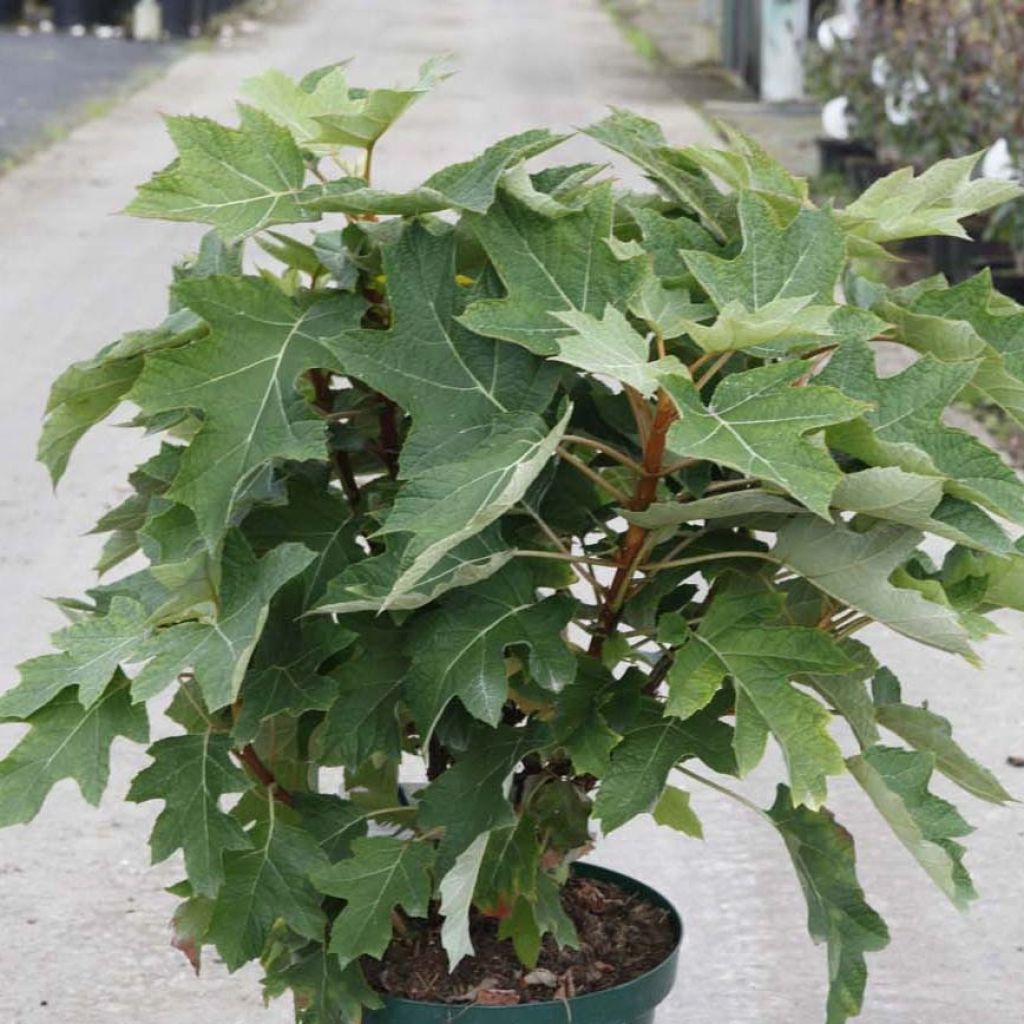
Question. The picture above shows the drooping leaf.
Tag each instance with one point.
(855, 567)
(218, 653)
(244, 380)
(837, 913)
(914, 500)
(382, 873)
(323, 992)
(471, 185)
(758, 424)
(265, 884)
(965, 324)
(458, 650)
(240, 180)
(190, 774)
(549, 267)
(66, 740)
(509, 867)
(641, 763)
(897, 783)
(735, 640)
(456, 890)
(932, 734)
(469, 799)
(366, 585)
(904, 429)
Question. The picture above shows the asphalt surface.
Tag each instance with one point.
(84, 917)
(49, 82)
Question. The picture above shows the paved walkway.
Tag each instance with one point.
(84, 917)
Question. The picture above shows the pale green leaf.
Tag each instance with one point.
(673, 810)
(897, 783)
(758, 424)
(456, 891)
(854, 568)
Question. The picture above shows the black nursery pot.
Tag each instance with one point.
(631, 1003)
(863, 171)
(833, 153)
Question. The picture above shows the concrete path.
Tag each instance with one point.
(84, 917)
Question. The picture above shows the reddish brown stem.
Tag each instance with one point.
(632, 544)
(250, 760)
(389, 442)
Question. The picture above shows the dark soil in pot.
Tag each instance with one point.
(622, 935)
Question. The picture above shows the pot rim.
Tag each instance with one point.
(586, 870)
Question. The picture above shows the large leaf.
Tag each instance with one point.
(244, 381)
(240, 180)
(459, 649)
(641, 763)
(779, 289)
(550, 267)
(734, 640)
(190, 774)
(65, 741)
(837, 913)
(362, 717)
(854, 568)
(758, 424)
(218, 653)
(469, 799)
(966, 324)
(914, 500)
(932, 734)
(901, 205)
(897, 782)
(366, 585)
(680, 177)
(904, 429)
(382, 873)
(263, 885)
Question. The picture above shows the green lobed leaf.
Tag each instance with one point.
(904, 429)
(854, 568)
(901, 205)
(456, 890)
(758, 424)
(190, 774)
(897, 783)
(673, 810)
(263, 885)
(382, 873)
(244, 379)
(549, 267)
(459, 649)
(67, 740)
(823, 854)
(469, 799)
(240, 180)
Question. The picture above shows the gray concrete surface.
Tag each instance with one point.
(50, 82)
(85, 938)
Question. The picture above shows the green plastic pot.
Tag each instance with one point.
(631, 1003)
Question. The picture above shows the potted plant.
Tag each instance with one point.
(578, 495)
